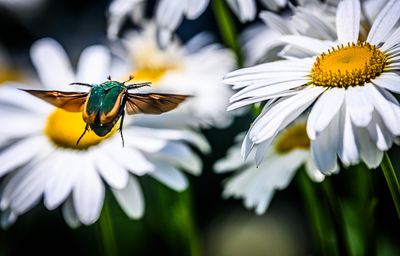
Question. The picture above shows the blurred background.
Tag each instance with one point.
(224, 227)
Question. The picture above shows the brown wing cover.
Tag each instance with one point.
(152, 103)
(69, 101)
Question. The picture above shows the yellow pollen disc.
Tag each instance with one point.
(64, 128)
(345, 66)
(148, 74)
(294, 137)
(7, 74)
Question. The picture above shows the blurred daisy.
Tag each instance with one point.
(257, 184)
(195, 69)
(354, 116)
(41, 159)
(315, 19)
(169, 14)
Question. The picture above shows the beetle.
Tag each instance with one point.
(104, 104)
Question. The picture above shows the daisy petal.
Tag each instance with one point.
(384, 23)
(130, 198)
(390, 81)
(194, 8)
(245, 9)
(52, 63)
(115, 175)
(69, 214)
(94, 64)
(282, 113)
(88, 194)
(360, 109)
(169, 176)
(17, 155)
(348, 150)
(325, 146)
(369, 153)
(324, 110)
(348, 21)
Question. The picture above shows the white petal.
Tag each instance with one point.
(276, 23)
(114, 174)
(384, 23)
(390, 81)
(313, 172)
(245, 9)
(51, 63)
(262, 149)
(20, 153)
(310, 45)
(324, 110)
(391, 41)
(130, 199)
(387, 106)
(358, 106)
(69, 214)
(247, 146)
(194, 8)
(348, 149)
(282, 113)
(325, 146)
(61, 180)
(88, 194)
(132, 159)
(169, 176)
(93, 65)
(180, 155)
(379, 133)
(169, 14)
(8, 218)
(369, 153)
(348, 21)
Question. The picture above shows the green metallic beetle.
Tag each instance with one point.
(105, 103)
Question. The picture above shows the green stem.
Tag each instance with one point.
(226, 27)
(338, 218)
(392, 181)
(107, 231)
(314, 212)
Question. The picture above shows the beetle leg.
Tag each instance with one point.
(120, 127)
(139, 85)
(86, 129)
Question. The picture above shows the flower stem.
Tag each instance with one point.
(315, 212)
(226, 26)
(107, 231)
(392, 181)
(337, 217)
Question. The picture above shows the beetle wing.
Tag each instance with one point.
(152, 103)
(69, 101)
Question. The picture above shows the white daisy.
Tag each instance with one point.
(354, 116)
(41, 159)
(195, 69)
(257, 184)
(170, 13)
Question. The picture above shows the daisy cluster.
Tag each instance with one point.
(323, 74)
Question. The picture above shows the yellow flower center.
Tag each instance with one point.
(64, 128)
(8, 74)
(294, 137)
(149, 74)
(345, 66)
(151, 63)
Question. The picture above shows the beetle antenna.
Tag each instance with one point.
(109, 77)
(86, 129)
(129, 79)
(83, 84)
(139, 85)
